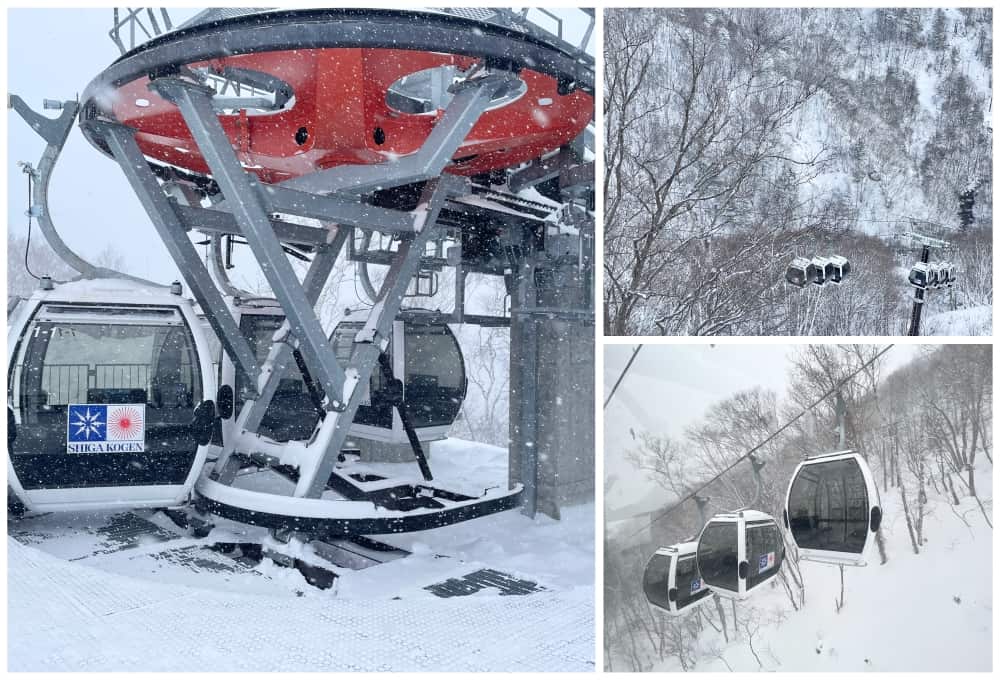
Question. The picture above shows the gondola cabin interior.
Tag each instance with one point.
(671, 580)
(738, 552)
(832, 508)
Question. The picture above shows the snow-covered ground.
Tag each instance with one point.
(927, 612)
(961, 322)
(81, 601)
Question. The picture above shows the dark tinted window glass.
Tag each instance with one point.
(717, 555)
(106, 363)
(656, 580)
(828, 507)
(688, 580)
(373, 410)
(435, 375)
(764, 553)
(291, 414)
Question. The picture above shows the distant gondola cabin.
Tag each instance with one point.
(800, 272)
(671, 580)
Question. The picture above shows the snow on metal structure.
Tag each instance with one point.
(422, 163)
(832, 508)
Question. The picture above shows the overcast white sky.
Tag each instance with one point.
(54, 54)
(671, 386)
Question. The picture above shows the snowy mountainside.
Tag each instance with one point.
(926, 612)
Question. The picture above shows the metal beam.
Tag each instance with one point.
(349, 211)
(244, 199)
(213, 221)
(121, 141)
(55, 132)
(280, 356)
(373, 339)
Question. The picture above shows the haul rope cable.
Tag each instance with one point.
(622, 376)
(749, 453)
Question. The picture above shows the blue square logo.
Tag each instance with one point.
(87, 423)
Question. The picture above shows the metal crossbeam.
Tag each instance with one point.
(244, 199)
(55, 131)
(211, 221)
(124, 148)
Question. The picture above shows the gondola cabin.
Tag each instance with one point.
(671, 580)
(426, 356)
(800, 272)
(822, 270)
(943, 274)
(109, 393)
(738, 552)
(832, 508)
(920, 275)
(838, 269)
(293, 413)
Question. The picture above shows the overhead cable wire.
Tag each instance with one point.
(622, 376)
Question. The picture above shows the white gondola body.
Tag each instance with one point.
(682, 589)
(739, 552)
(98, 302)
(857, 519)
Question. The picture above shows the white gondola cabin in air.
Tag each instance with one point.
(109, 395)
(739, 551)
(832, 509)
(671, 580)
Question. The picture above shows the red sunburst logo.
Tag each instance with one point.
(124, 423)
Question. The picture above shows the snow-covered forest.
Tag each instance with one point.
(738, 139)
(923, 602)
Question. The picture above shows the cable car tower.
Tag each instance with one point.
(241, 124)
(925, 275)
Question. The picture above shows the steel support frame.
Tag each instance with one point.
(246, 201)
(373, 339)
(173, 232)
(251, 206)
(280, 357)
(918, 296)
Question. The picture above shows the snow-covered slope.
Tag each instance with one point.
(971, 321)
